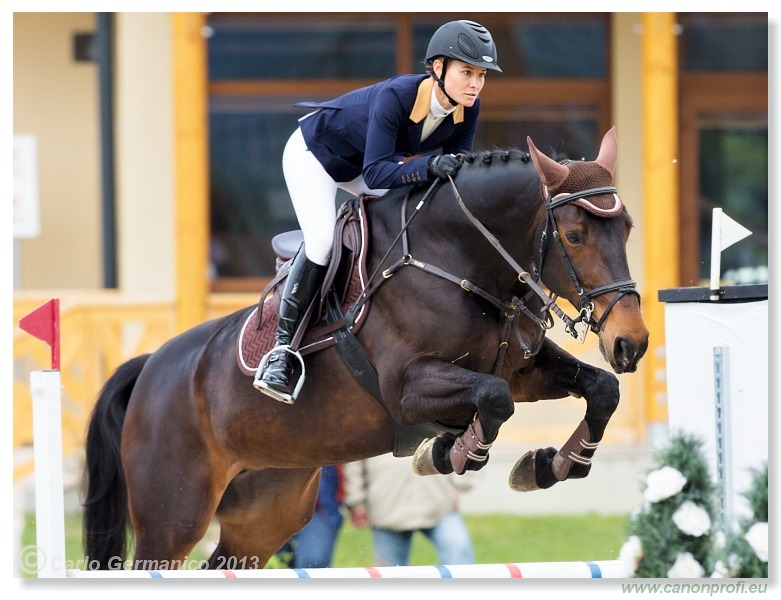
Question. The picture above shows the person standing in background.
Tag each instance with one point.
(384, 493)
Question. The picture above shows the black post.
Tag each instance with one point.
(104, 55)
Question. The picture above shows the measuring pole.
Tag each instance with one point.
(45, 386)
(723, 441)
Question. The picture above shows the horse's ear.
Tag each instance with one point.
(552, 173)
(608, 151)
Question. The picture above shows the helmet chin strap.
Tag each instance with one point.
(441, 82)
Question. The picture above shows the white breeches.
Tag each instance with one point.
(313, 193)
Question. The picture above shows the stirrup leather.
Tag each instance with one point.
(262, 386)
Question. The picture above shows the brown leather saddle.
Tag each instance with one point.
(344, 282)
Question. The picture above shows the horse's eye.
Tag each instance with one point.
(573, 237)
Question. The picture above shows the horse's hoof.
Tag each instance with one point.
(423, 460)
(523, 475)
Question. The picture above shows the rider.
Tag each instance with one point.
(365, 142)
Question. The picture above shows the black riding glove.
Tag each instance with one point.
(443, 165)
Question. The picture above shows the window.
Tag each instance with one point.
(724, 139)
(724, 43)
(541, 46)
(269, 47)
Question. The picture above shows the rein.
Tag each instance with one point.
(586, 305)
(510, 310)
(549, 302)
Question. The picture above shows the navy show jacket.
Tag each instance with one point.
(371, 130)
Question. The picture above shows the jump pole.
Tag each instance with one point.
(45, 387)
(607, 569)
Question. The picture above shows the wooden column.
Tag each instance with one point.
(660, 194)
(192, 168)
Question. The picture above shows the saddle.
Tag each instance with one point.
(324, 325)
(344, 281)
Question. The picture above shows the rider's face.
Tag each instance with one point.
(463, 82)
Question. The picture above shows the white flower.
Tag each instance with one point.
(685, 567)
(719, 539)
(692, 519)
(728, 569)
(663, 483)
(630, 555)
(733, 563)
(721, 570)
(756, 537)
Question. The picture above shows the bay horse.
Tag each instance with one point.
(456, 333)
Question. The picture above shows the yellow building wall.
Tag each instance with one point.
(145, 154)
(627, 116)
(56, 100)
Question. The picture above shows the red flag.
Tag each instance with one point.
(44, 323)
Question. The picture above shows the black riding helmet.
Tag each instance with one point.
(466, 41)
(463, 40)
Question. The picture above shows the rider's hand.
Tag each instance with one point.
(443, 165)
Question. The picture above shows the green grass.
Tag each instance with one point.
(496, 539)
(508, 538)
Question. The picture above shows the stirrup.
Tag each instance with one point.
(262, 386)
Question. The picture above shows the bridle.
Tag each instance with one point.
(585, 298)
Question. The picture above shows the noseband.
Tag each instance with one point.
(585, 319)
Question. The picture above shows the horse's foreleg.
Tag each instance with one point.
(435, 390)
(557, 374)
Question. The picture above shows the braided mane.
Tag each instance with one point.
(489, 156)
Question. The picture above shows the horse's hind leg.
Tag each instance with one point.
(259, 512)
(170, 510)
(556, 375)
(174, 480)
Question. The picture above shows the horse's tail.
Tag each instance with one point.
(105, 503)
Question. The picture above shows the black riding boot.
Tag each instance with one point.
(301, 286)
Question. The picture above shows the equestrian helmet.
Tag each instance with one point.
(466, 41)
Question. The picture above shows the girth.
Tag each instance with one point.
(407, 438)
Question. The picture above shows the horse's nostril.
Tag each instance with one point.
(623, 351)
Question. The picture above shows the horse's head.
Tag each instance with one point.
(583, 251)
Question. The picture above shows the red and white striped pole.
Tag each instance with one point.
(45, 386)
